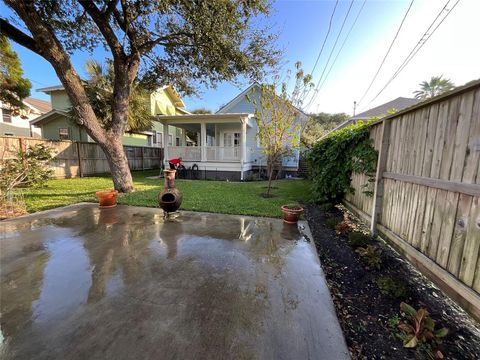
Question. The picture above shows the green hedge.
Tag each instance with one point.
(333, 159)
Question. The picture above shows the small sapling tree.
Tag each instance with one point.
(279, 119)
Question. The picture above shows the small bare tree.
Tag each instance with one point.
(278, 118)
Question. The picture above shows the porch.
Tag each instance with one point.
(214, 142)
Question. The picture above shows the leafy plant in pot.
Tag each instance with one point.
(107, 198)
(291, 213)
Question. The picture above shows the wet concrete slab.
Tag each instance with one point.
(83, 283)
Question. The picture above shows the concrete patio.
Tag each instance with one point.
(82, 283)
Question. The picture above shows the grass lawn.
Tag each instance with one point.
(198, 195)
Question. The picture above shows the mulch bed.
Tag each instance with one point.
(364, 312)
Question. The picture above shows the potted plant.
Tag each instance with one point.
(291, 213)
(107, 198)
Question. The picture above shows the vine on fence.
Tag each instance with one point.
(333, 159)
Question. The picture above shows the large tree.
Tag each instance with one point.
(319, 125)
(13, 86)
(436, 86)
(180, 42)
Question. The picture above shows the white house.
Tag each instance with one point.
(228, 145)
(19, 125)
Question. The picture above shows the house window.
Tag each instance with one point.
(63, 134)
(177, 141)
(170, 140)
(159, 139)
(6, 116)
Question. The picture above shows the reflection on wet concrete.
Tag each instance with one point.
(123, 283)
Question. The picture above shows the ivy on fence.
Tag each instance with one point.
(333, 159)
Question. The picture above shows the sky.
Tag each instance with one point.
(452, 51)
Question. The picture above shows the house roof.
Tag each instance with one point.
(47, 117)
(239, 97)
(41, 105)
(204, 116)
(398, 104)
(49, 89)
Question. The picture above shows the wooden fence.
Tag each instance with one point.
(426, 200)
(74, 159)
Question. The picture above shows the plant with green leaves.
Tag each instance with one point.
(393, 287)
(435, 86)
(27, 168)
(279, 119)
(181, 43)
(418, 329)
(334, 158)
(13, 86)
(319, 125)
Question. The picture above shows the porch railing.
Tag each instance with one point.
(223, 153)
(212, 153)
(187, 153)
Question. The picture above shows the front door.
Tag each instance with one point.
(231, 145)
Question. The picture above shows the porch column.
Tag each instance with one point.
(203, 141)
(243, 157)
(165, 145)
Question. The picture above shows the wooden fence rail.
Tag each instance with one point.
(77, 159)
(426, 198)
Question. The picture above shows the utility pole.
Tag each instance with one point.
(354, 107)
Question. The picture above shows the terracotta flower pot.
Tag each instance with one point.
(291, 214)
(107, 198)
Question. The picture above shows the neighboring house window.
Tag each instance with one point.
(154, 138)
(63, 134)
(170, 140)
(177, 141)
(6, 116)
(8, 134)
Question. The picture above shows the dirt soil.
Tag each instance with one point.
(364, 312)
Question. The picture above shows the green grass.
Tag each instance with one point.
(198, 195)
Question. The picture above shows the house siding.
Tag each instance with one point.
(50, 130)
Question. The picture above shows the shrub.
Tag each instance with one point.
(333, 159)
(357, 239)
(27, 168)
(417, 329)
(395, 288)
(333, 222)
(371, 256)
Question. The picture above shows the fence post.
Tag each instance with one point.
(79, 156)
(379, 182)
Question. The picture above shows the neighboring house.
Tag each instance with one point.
(57, 125)
(380, 111)
(19, 125)
(228, 146)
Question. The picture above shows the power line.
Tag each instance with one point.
(326, 37)
(386, 54)
(423, 40)
(330, 56)
(343, 44)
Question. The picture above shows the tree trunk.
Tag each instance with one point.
(117, 160)
(270, 168)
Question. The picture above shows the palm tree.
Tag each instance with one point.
(434, 87)
(99, 88)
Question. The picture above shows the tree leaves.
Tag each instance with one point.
(13, 86)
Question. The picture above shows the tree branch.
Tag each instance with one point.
(18, 36)
(102, 23)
